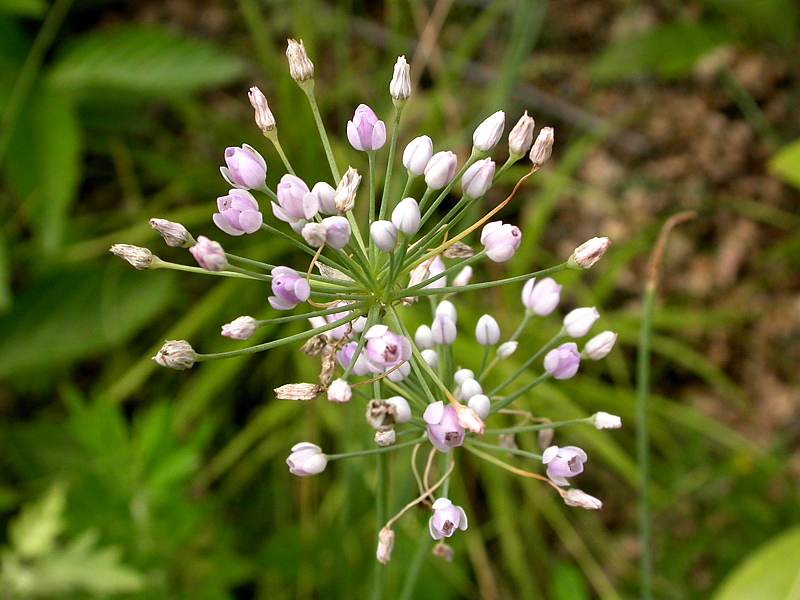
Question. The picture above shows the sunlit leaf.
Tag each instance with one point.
(785, 164)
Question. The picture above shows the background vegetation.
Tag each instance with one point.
(117, 478)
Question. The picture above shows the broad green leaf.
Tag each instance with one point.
(785, 164)
(76, 313)
(43, 163)
(33, 533)
(668, 52)
(149, 61)
(771, 571)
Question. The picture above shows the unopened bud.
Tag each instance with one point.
(174, 234)
(385, 437)
(488, 133)
(506, 349)
(542, 147)
(241, 328)
(300, 66)
(600, 345)
(339, 391)
(385, 545)
(463, 277)
(604, 420)
(430, 357)
(443, 551)
(481, 404)
(462, 375)
(448, 309)
(176, 354)
(580, 499)
(406, 216)
(588, 253)
(314, 234)
(345, 195)
(136, 256)
(400, 85)
(521, 136)
(545, 438)
(265, 120)
(384, 234)
(487, 331)
(423, 337)
(298, 391)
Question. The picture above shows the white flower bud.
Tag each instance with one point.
(542, 147)
(400, 85)
(477, 179)
(325, 195)
(314, 234)
(385, 437)
(487, 331)
(440, 169)
(600, 345)
(384, 234)
(339, 391)
(604, 420)
(265, 120)
(400, 408)
(580, 499)
(344, 198)
(176, 354)
(470, 388)
(385, 545)
(174, 234)
(423, 337)
(578, 322)
(417, 154)
(136, 256)
(241, 328)
(589, 252)
(406, 216)
(429, 356)
(506, 349)
(462, 375)
(463, 277)
(337, 231)
(521, 137)
(300, 66)
(400, 372)
(448, 309)
(481, 404)
(298, 391)
(444, 330)
(306, 459)
(488, 133)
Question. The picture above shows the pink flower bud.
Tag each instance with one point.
(209, 254)
(488, 133)
(295, 202)
(385, 349)
(246, 168)
(600, 345)
(366, 132)
(563, 463)
(238, 213)
(241, 328)
(563, 362)
(444, 430)
(447, 517)
(477, 179)
(337, 232)
(578, 322)
(289, 289)
(306, 459)
(500, 241)
(440, 169)
(541, 297)
(417, 154)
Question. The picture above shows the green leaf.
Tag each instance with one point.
(771, 571)
(669, 51)
(568, 583)
(23, 8)
(43, 163)
(785, 164)
(33, 533)
(75, 313)
(149, 61)
(769, 20)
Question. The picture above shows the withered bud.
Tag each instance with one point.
(385, 437)
(136, 256)
(458, 250)
(298, 391)
(443, 551)
(174, 234)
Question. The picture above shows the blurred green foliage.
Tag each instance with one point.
(116, 478)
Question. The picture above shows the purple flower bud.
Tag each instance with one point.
(578, 322)
(488, 133)
(342, 330)
(246, 168)
(447, 517)
(306, 459)
(384, 234)
(385, 349)
(406, 217)
(339, 391)
(209, 254)
(417, 154)
(444, 430)
(600, 345)
(440, 169)
(238, 213)
(477, 179)
(295, 202)
(241, 328)
(500, 241)
(487, 331)
(563, 462)
(444, 330)
(325, 193)
(563, 362)
(337, 232)
(366, 132)
(541, 297)
(290, 289)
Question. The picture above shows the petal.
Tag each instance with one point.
(279, 304)
(280, 214)
(433, 413)
(306, 445)
(378, 135)
(247, 200)
(462, 523)
(302, 290)
(221, 222)
(441, 503)
(549, 454)
(250, 221)
(577, 451)
(352, 136)
(376, 331)
(226, 175)
(256, 154)
(310, 205)
(434, 533)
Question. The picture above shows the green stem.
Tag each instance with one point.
(308, 87)
(412, 572)
(415, 367)
(642, 444)
(515, 451)
(520, 392)
(372, 316)
(524, 366)
(371, 451)
(539, 426)
(276, 142)
(162, 264)
(315, 313)
(380, 518)
(372, 200)
(390, 163)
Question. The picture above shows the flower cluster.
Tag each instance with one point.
(360, 282)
